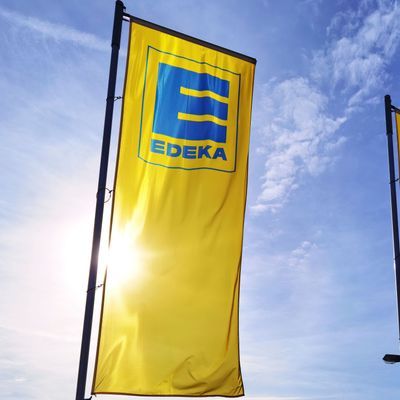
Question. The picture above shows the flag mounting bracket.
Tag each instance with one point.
(394, 108)
(106, 190)
(114, 98)
(95, 288)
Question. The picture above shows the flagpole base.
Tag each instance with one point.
(391, 358)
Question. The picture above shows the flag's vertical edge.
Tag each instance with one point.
(397, 265)
(244, 216)
(113, 202)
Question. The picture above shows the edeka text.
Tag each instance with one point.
(190, 152)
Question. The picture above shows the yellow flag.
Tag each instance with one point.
(169, 323)
(398, 136)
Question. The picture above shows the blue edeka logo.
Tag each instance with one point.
(189, 115)
(190, 106)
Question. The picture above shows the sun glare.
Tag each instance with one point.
(125, 259)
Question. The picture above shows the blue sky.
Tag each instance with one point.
(317, 296)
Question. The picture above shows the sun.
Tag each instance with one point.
(126, 258)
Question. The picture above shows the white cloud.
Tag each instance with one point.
(355, 60)
(299, 256)
(55, 31)
(297, 133)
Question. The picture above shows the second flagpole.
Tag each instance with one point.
(393, 201)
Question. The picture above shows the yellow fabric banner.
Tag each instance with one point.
(397, 115)
(169, 323)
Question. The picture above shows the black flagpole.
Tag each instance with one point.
(101, 189)
(395, 222)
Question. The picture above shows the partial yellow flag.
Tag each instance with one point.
(169, 322)
(398, 136)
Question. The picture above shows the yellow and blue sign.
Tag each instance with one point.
(194, 108)
(169, 321)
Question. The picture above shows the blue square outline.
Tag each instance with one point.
(142, 110)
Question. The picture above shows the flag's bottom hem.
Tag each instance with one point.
(170, 395)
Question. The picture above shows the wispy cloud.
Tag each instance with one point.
(356, 57)
(298, 131)
(298, 138)
(54, 31)
(301, 333)
(301, 254)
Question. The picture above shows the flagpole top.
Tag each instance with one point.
(120, 4)
(118, 17)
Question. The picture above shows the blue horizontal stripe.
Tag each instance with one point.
(203, 105)
(193, 80)
(191, 130)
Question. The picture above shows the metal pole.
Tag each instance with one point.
(393, 201)
(98, 220)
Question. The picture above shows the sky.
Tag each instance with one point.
(317, 306)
